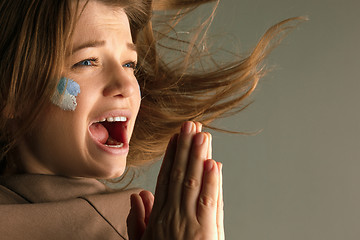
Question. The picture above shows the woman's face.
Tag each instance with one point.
(93, 140)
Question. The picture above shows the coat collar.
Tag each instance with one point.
(37, 188)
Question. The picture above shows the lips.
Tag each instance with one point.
(110, 131)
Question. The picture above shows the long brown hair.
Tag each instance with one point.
(32, 50)
(35, 36)
(175, 91)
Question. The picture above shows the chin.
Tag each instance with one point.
(110, 173)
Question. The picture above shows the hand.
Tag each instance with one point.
(188, 203)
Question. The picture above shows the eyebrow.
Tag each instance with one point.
(101, 43)
(89, 45)
(132, 47)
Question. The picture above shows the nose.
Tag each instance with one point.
(121, 82)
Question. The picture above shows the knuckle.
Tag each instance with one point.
(177, 175)
(207, 201)
(191, 183)
(198, 153)
(184, 142)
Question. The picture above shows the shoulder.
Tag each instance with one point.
(94, 216)
(62, 205)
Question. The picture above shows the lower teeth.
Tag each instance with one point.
(115, 146)
(113, 143)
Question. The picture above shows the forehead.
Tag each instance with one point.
(97, 19)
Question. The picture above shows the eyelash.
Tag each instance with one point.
(132, 65)
(95, 61)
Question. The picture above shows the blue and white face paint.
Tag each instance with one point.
(65, 95)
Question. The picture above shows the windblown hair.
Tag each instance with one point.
(36, 35)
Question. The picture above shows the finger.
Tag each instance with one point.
(207, 203)
(148, 202)
(220, 207)
(193, 178)
(179, 167)
(209, 154)
(135, 221)
(163, 178)
(198, 127)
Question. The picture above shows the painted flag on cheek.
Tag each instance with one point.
(66, 93)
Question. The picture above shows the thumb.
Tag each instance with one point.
(135, 221)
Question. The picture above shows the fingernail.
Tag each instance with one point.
(199, 139)
(209, 164)
(198, 127)
(220, 166)
(187, 127)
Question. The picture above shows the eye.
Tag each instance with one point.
(86, 63)
(130, 65)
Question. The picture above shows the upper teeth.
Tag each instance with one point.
(114, 119)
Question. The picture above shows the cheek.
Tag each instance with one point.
(137, 104)
(65, 96)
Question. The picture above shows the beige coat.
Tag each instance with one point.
(53, 207)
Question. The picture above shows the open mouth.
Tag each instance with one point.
(110, 132)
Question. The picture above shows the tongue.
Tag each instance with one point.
(99, 132)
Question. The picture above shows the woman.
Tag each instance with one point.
(71, 72)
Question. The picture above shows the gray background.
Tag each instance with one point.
(299, 178)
